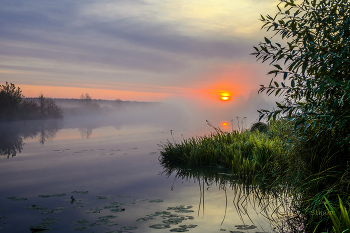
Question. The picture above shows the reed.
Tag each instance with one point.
(277, 157)
(246, 153)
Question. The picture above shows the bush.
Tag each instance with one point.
(13, 107)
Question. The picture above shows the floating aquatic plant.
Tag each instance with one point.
(84, 221)
(15, 198)
(159, 226)
(80, 192)
(156, 201)
(54, 195)
(43, 227)
(94, 210)
(245, 227)
(128, 228)
(55, 211)
(178, 230)
(181, 209)
(104, 197)
(34, 207)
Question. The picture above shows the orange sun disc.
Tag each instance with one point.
(225, 96)
(224, 123)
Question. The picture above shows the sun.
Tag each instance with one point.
(225, 96)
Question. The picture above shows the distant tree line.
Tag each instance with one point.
(14, 107)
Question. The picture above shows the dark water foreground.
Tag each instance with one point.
(74, 177)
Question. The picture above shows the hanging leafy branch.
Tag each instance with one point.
(314, 62)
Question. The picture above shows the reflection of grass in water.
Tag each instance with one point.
(272, 202)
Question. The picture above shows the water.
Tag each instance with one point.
(97, 175)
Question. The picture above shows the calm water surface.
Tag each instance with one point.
(89, 175)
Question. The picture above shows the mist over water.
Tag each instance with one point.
(112, 156)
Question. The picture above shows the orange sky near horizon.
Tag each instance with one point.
(233, 81)
(194, 50)
(75, 92)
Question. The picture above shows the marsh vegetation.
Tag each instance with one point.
(306, 144)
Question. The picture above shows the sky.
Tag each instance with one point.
(138, 50)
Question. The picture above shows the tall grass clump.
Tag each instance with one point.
(244, 153)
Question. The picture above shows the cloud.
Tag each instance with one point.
(90, 42)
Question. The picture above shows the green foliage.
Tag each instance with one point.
(10, 98)
(313, 64)
(340, 218)
(13, 107)
(260, 126)
(246, 153)
(315, 59)
(48, 108)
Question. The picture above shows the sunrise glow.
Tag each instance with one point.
(224, 123)
(225, 96)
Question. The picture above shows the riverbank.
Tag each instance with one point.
(276, 157)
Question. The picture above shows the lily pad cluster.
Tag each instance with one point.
(106, 214)
(170, 219)
(15, 198)
(44, 226)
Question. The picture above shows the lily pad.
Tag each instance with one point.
(15, 198)
(116, 210)
(55, 211)
(50, 221)
(114, 205)
(104, 197)
(34, 207)
(188, 226)
(81, 228)
(245, 227)
(81, 222)
(39, 228)
(156, 201)
(128, 228)
(144, 219)
(178, 230)
(43, 227)
(54, 195)
(80, 192)
(163, 212)
(123, 196)
(94, 224)
(173, 220)
(94, 210)
(159, 226)
(181, 209)
(106, 219)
